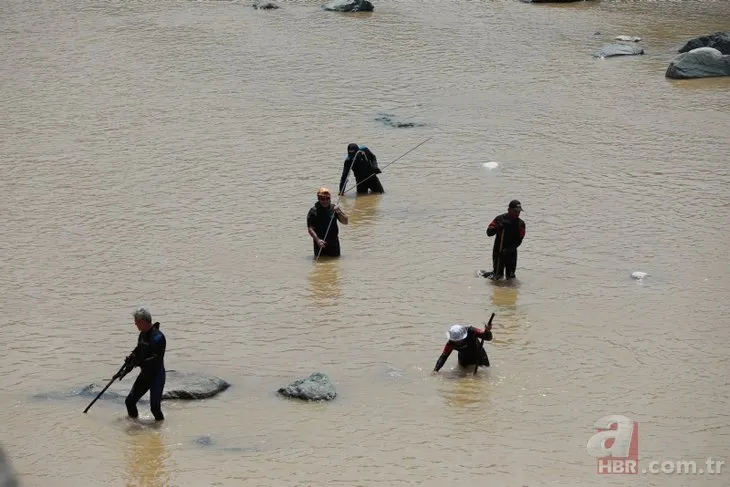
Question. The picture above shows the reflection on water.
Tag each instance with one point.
(507, 316)
(461, 388)
(324, 279)
(146, 456)
(363, 209)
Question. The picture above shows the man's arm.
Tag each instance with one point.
(494, 227)
(522, 233)
(345, 171)
(444, 355)
(341, 217)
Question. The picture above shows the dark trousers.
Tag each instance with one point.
(332, 249)
(372, 183)
(466, 360)
(144, 383)
(504, 262)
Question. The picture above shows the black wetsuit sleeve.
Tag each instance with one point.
(345, 171)
(444, 356)
(481, 333)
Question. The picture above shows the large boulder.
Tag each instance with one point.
(611, 50)
(703, 62)
(718, 40)
(349, 6)
(7, 473)
(316, 387)
(178, 385)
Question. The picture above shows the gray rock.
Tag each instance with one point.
(703, 62)
(7, 473)
(611, 50)
(316, 387)
(718, 40)
(628, 38)
(178, 385)
(349, 6)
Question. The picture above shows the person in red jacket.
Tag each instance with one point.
(463, 339)
(510, 231)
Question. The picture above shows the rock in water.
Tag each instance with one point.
(178, 385)
(639, 275)
(349, 6)
(265, 6)
(611, 50)
(628, 38)
(490, 165)
(703, 62)
(316, 387)
(718, 40)
(7, 473)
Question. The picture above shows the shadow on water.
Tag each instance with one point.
(324, 279)
(145, 455)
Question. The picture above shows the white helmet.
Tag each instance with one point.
(457, 333)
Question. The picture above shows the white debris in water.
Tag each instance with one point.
(490, 165)
(628, 38)
(639, 275)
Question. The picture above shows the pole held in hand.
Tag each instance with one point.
(120, 373)
(481, 345)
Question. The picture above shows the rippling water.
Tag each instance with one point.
(166, 153)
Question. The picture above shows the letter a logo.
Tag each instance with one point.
(616, 445)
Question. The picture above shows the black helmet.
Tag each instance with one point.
(352, 147)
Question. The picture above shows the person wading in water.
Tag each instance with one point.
(510, 231)
(364, 166)
(149, 356)
(322, 225)
(463, 339)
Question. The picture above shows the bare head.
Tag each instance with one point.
(143, 319)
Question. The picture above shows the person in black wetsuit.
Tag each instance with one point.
(510, 231)
(463, 339)
(149, 356)
(320, 218)
(364, 166)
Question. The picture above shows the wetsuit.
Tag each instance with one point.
(319, 218)
(149, 357)
(510, 232)
(364, 166)
(468, 348)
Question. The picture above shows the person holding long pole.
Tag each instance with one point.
(322, 225)
(511, 230)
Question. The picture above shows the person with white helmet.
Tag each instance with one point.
(464, 339)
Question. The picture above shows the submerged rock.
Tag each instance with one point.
(703, 62)
(265, 6)
(7, 473)
(316, 387)
(388, 119)
(178, 385)
(348, 6)
(718, 40)
(628, 38)
(611, 50)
